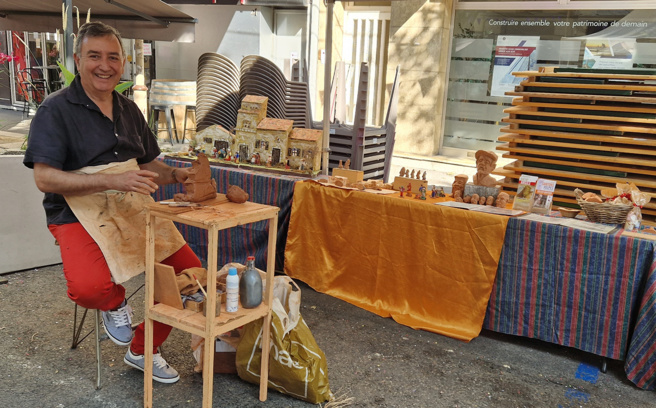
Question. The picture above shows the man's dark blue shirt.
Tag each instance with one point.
(69, 132)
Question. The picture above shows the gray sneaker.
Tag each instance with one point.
(162, 372)
(118, 324)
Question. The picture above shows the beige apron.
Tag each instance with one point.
(116, 220)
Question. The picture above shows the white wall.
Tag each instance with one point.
(25, 241)
(233, 31)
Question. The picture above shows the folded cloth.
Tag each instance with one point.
(187, 285)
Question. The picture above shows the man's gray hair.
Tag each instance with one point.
(95, 29)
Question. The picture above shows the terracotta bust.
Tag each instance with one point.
(502, 199)
(486, 162)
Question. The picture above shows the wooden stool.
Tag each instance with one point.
(171, 126)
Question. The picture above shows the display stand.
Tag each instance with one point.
(213, 216)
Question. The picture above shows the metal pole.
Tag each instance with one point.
(68, 36)
(326, 85)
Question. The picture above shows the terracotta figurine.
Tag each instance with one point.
(474, 198)
(490, 200)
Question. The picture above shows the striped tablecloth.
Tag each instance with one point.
(235, 244)
(595, 292)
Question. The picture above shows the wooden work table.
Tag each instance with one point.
(213, 216)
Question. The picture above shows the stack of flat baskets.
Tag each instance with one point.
(605, 213)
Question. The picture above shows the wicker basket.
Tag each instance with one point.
(605, 213)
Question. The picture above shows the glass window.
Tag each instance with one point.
(488, 46)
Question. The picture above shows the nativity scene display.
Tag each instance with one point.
(261, 141)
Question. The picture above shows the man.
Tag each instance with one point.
(485, 164)
(93, 156)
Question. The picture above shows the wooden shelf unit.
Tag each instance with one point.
(213, 216)
(587, 129)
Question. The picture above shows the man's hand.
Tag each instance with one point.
(136, 181)
(165, 173)
(51, 180)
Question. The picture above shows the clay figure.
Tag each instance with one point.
(482, 200)
(402, 172)
(236, 194)
(423, 176)
(458, 196)
(402, 190)
(422, 191)
(474, 198)
(486, 162)
(502, 199)
(490, 200)
(433, 192)
(412, 174)
(407, 173)
(214, 152)
(222, 153)
(459, 184)
(268, 162)
(200, 185)
(409, 190)
(341, 166)
(347, 165)
(302, 166)
(467, 199)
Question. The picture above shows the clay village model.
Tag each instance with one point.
(261, 141)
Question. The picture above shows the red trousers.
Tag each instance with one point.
(90, 283)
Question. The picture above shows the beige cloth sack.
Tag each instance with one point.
(116, 220)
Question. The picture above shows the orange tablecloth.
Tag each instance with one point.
(427, 266)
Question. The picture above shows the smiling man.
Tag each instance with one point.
(94, 157)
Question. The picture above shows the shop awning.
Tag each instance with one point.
(143, 19)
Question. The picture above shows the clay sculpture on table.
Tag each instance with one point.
(459, 185)
(485, 164)
(237, 195)
(200, 185)
(502, 199)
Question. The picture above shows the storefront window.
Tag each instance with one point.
(488, 46)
